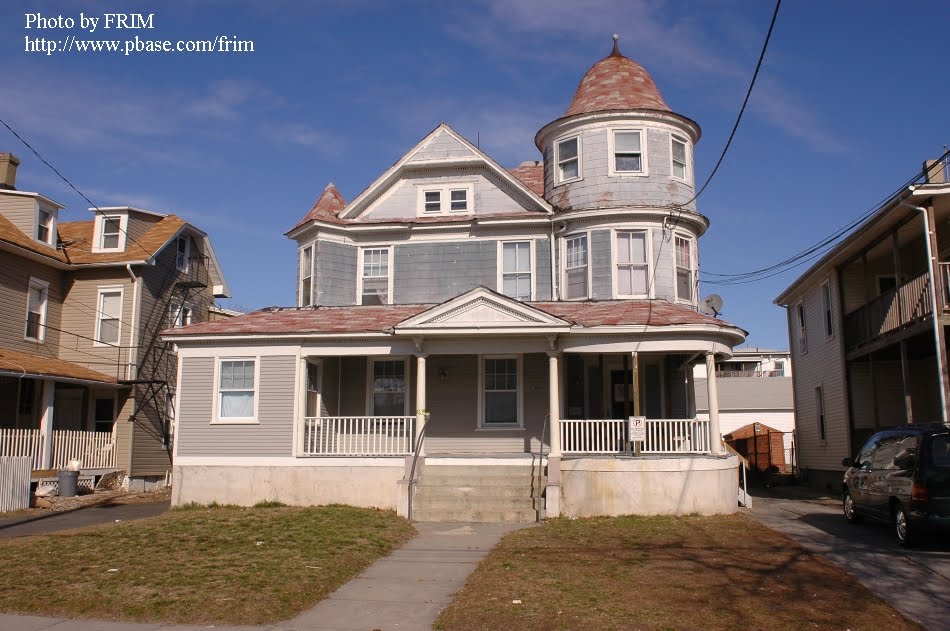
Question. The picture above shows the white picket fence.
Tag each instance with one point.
(611, 436)
(359, 435)
(94, 450)
(14, 482)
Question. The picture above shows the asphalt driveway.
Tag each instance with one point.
(80, 518)
(916, 582)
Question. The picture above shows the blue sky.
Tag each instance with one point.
(851, 99)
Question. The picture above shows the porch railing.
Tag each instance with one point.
(359, 435)
(882, 315)
(94, 450)
(611, 436)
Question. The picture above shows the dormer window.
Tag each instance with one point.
(45, 227)
(110, 231)
(182, 254)
(443, 199)
(627, 154)
(567, 155)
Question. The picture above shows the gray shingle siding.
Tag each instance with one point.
(335, 282)
(442, 147)
(602, 278)
(664, 257)
(437, 272)
(542, 251)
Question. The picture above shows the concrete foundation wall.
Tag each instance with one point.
(661, 486)
(344, 482)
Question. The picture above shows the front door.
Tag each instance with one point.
(67, 409)
(621, 393)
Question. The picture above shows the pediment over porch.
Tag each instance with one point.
(479, 311)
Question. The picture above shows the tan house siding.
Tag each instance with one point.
(821, 365)
(15, 274)
(21, 211)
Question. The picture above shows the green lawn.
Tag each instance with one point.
(706, 573)
(201, 565)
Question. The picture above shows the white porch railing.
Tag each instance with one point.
(94, 450)
(611, 436)
(359, 435)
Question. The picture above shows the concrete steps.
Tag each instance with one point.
(478, 493)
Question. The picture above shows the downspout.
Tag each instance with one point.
(933, 306)
(554, 285)
(129, 372)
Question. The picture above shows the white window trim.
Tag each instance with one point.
(481, 393)
(178, 320)
(109, 289)
(820, 398)
(359, 272)
(614, 262)
(52, 226)
(611, 162)
(564, 266)
(688, 165)
(827, 310)
(215, 416)
(187, 252)
(97, 231)
(445, 199)
(801, 326)
(500, 265)
(580, 159)
(37, 283)
(692, 268)
(370, 361)
(313, 264)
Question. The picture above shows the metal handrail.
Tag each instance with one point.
(544, 427)
(415, 458)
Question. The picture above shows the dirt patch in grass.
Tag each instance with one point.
(725, 572)
(219, 565)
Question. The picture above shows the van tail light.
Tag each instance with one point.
(919, 492)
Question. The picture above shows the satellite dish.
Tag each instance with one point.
(711, 305)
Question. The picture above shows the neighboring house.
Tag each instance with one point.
(499, 323)
(867, 332)
(83, 373)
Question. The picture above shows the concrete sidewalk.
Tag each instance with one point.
(404, 591)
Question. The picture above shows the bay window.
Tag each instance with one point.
(632, 272)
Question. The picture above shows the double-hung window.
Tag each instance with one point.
(433, 201)
(632, 266)
(827, 309)
(107, 323)
(306, 276)
(516, 281)
(684, 268)
(179, 313)
(820, 413)
(44, 227)
(182, 254)
(802, 333)
(236, 389)
(678, 166)
(375, 277)
(104, 413)
(36, 306)
(627, 152)
(568, 159)
(443, 199)
(111, 227)
(577, 263)
(389, 387)
(500, 391)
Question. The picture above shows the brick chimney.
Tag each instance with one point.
(8, 165)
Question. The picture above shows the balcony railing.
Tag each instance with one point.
(93, 450)
(611, 436)
(888, 312)
(359, 435)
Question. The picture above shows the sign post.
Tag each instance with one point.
(638, 432)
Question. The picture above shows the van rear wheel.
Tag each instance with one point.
(902, 527)
(850, 513)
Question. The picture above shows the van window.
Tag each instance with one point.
(863, 461)
(940, 451)
(886, 450)
(906, 454)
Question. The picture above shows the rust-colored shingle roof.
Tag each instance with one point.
(77, 238)
(382, 319)
(327, 207)
(13, 235)
(531, 175)
(15, 361)
(616, 83)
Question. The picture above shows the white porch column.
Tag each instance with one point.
(420, 398)
(46, 423)
(552, 494)
(713, 395)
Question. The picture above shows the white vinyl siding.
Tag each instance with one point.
(632, 266)
(36, 309)
(577, 267)
(108, 321)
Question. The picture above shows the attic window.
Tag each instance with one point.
(44, 227)
(110, 233)
(433, 201)
(442, 199)
(182, 255)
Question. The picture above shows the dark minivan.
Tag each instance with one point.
(902, 477)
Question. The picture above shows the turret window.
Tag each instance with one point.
(568, 159)
(627, 152)
(684, 269)
(679, 167)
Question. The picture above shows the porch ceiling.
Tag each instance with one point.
(21, 364)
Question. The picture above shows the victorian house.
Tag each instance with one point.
(472, 342)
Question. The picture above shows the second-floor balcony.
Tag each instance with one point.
(901, 306)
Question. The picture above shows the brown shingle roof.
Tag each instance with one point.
(382, 319)
(616, 83)
(15, 361)
(13, 235)
(531, 175)
(77, 238)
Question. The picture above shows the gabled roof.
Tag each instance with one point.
(29, 365)
(531, 174)
(77, 238)
(474, 157)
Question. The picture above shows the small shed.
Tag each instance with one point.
(763, 446)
